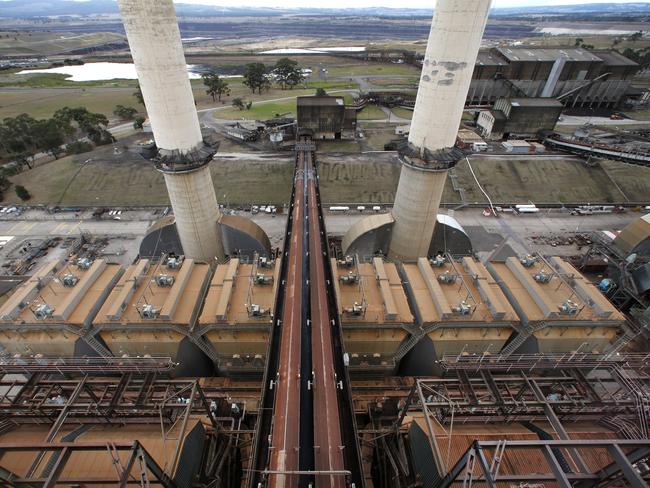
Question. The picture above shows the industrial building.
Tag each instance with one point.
(152, 308)
(576, 76)
(557, 306)
(51, 312)
(519, 117)
(219, 366)
(326, 117)
(459, 306)
(237, 314)
(374, 312)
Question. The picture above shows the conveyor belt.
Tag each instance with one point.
(306, 433)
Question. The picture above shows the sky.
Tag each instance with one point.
(388, 3)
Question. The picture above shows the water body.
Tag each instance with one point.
(105, 71)
(320, 50)
(565, 31)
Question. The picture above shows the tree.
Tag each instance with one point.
(139, 122)
(92, 124)
(238, 103)
(125, 113)
(216, 86)
(138, 94)
(636, 36)
(579, 41)
(18, 138)
(320, 92)
(287, 73)
(255, 77)
(22, 193)
(49, 137)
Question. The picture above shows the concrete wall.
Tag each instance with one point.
(529, 120)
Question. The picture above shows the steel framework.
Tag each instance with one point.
(126, 394)
(625, 468)
(148, 472)
(614, 392)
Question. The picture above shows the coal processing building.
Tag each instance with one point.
(519, 117)
(326, 117)
(576, 76)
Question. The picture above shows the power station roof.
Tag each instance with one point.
(377, 289)
(95, 464)
(547, 54)
(452, 444)
(321, 101)
(535, 102)
(614, 58)
(489, 58)
(235, 288)
(633, 237)
(71, 293)
(441, 292)
(172, 295)
(539, 293)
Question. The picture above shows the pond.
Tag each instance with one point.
(104, 71)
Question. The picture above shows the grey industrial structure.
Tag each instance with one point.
(577, 76)
(519, 117)
(326, 117)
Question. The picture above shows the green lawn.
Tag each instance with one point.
(371, 112)
(259, 110)
(402, 112)
(42, 103)
(43, 95)
(138, 183)
(369, 68)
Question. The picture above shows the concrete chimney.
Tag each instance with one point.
(155, 41)
(453, 45)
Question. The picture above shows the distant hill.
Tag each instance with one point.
(41, 8)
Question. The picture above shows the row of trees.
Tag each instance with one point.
(286, 73)
(23, 137)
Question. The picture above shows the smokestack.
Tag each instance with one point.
(454, 41)
(155, 41)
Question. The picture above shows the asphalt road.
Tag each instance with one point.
(486, 232)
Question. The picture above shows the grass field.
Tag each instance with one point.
(362, 68)
(259, 110)
(125, 180)
(553, 181)
(43, 102)
(402, 112)
(48, 43)
(138, 183)
(371, 112)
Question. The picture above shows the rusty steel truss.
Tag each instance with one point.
(555, 389)
(116, 392)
